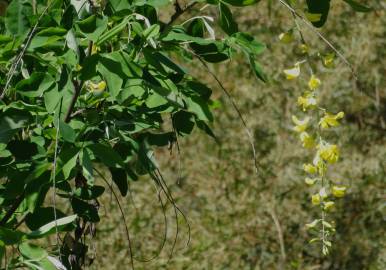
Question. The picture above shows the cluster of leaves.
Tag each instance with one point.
(88, 84)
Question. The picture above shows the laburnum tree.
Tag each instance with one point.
(89, 88)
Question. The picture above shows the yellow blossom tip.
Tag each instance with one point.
(338, 191)
(292, 73)
(310, 181)
(328, 205)
(315, 199)
(286, 37)
(314, 82)
(309, 168)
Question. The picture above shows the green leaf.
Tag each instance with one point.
(319, 7)
(113, 31)
(10, 122)
(85, 210)
(42, 216)
(248, 43)
(66, 132)
(151, 32)
(32, 252)
(213, 53)
(257, 69)
(92, 27)
(106, 155)
(112, 73)
(119, 177)
(28, 86)
(183, 122)
(89, 193)
(240, 3)
(226, 20)
(67, 160)
(16, 18)
(154, 3)
(10, 237)
(87, 166)
(50, 227)
(358, 6)
(200, 108)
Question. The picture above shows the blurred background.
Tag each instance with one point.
(242, 221)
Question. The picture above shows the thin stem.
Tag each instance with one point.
(78, 88)
(311, 27)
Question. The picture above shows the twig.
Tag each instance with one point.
(12, 210)
(78, 88)
(123, 217)
(280, 236)
(178, 12)
(236, 108)
(54, 174)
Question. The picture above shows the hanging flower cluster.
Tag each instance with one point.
(310, 128)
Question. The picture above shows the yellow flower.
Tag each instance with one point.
(78, 67)
(338, 191)
(314, 82)
(286, 37)
(292, 73)
(95, 49)
(307, 140)
(303, 48)
(329, 152)
(328, 60)
(312, 224)
(307, 101)
(323, 193)
(300, 125)
(309, 168)
(330, 120)
(319, 164)
(96, 88)
(310, 181)
(315, 199)
(328, 205)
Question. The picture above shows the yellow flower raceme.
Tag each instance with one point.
(338, 191)
(315, 199)
(307, 101)
(330, 120)
(328, 152)
(300, 125)
(314, 82)
(309, 168)
(307, 140)
(292, 73)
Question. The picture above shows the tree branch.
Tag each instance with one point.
(12, 210)
(178, 12)
(78, 87)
